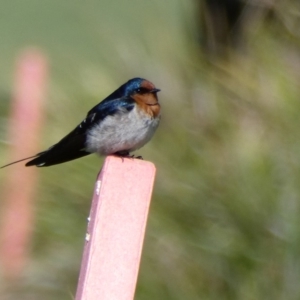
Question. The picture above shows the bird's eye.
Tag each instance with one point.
(142, 91)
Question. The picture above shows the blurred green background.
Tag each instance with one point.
(224, 219)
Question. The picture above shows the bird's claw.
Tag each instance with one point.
(125, 154)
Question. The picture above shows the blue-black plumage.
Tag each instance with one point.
(123, 122)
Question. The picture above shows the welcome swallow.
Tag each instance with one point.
(123, 122)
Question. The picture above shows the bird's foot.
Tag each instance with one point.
(122, 154)
(125, 154)
(138, 157)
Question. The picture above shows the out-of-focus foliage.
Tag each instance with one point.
(224, 220)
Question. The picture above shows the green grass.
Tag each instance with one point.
(224, 220)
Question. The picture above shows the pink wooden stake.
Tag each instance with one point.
(20, 183)
(116, 230)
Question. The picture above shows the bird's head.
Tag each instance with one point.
(139, 86)
(144, 93)
(136, 87)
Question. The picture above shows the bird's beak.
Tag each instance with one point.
(155, 91)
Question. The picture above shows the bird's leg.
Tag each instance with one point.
(125, 153)
(139, 157)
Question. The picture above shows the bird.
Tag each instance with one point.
(121, 123)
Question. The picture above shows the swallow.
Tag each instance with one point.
(121, 123)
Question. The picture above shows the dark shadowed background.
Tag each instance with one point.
(224, 219)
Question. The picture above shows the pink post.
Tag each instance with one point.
(116, 230)
(19, 186)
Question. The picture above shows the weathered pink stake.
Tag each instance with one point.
(116, 230)
(20, 183)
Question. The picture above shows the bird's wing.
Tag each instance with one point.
(70, 147)
(111, 106)
(73, 145)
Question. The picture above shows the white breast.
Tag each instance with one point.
(124, 131)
